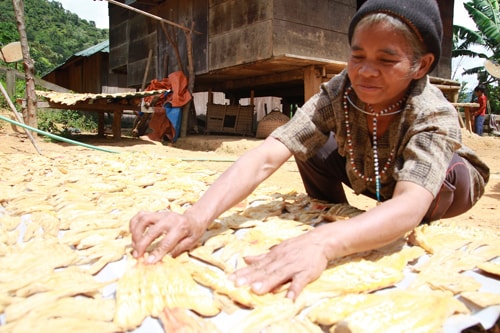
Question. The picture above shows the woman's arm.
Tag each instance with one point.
(303, 259)
(382, 224)
(181, 232)
(241, 179)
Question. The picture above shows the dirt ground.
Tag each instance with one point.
(218, 152)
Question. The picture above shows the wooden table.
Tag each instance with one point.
(469, 119)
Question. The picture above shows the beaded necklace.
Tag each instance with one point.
(393, 109)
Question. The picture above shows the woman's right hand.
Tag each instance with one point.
(178, 233)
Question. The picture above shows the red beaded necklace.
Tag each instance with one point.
(393, 109)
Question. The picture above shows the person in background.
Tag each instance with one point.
(378, 127)
(480, 113)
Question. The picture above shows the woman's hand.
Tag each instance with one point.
(178, 233)
(298, 260)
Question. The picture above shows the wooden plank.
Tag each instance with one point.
(228, 16)
(308, 41)
(241, 46)
(468, 109)
(332, 15)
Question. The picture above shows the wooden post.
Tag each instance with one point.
(146, 71)
(100, 124)
(11, 83)
(468, 119)
(312, 81)
(117, 124)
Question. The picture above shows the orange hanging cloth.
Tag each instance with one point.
(177, 83)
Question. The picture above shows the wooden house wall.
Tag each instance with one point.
(183, 12)
(83, 74)
(142, 38)
(118, 38)
(238, 32)
(314, 28)
(247, 31)
(132, 35)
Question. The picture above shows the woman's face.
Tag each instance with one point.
(380, 65)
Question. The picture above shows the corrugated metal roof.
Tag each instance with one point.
(101, 47)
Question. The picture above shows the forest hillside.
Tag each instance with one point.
(54, 34)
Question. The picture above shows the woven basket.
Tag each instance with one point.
(269, 123)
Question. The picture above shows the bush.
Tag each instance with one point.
(66, 122)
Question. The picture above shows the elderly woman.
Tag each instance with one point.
(379, 127)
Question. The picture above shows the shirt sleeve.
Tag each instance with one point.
(429, 148)
(309, 128)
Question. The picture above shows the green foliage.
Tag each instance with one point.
(463, 95)
(485, 14)
(493, 94)
(19, 91)
(54, 34)
(54, 121)
(63, 122)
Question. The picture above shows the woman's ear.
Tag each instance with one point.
(425, 64)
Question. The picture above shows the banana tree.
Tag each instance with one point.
(485, 14)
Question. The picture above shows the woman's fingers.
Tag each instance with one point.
(175, 238)
(139, 229)
(176, 233)
(289, 261)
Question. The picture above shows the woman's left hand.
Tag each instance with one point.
(298, 260)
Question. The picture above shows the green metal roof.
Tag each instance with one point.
(101, 47)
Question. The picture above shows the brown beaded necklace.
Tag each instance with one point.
(392, 109)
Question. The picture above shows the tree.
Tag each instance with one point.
(29, 67)
(54, 34)
(485, 14)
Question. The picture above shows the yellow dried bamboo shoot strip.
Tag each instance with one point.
(439, 235)
(218, 282)
(71, 278)
(18, 310)
(482, 298)
(61, 324)
(83, 308)
(402, 311)
(145, 290)
(351, 277)
(179, 320)
(490, 267)
(264, 315)
(295, 325)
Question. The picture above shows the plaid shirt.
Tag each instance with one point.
(424, 137)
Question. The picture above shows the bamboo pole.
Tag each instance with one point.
(19, 118)
(146, 71)
(151, 15)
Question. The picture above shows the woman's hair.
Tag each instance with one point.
(417, 47)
